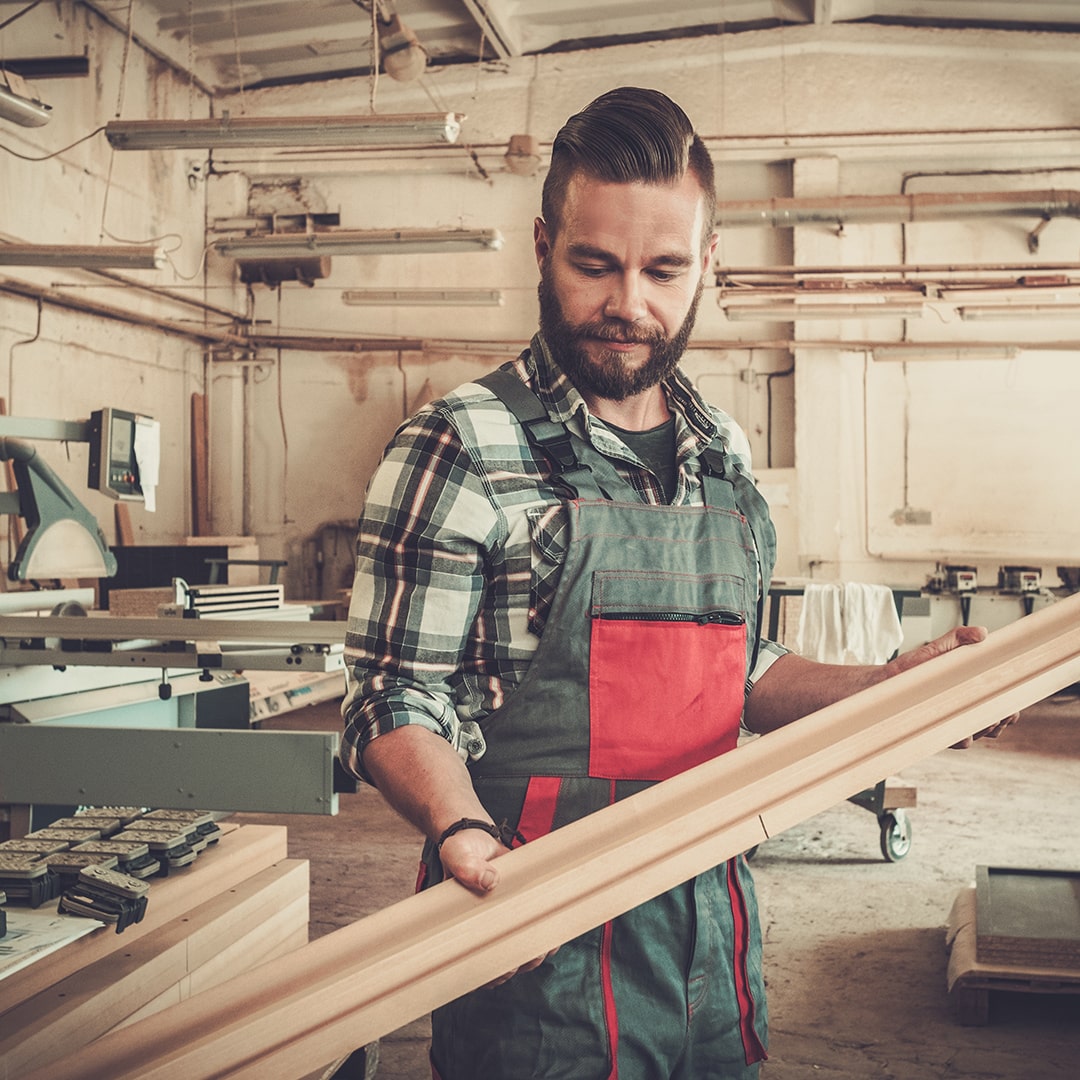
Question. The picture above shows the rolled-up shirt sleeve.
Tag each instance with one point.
(426, 524)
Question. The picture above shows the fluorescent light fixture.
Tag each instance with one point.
(359, 242)
(1020, 311)
(903, 353)
(1013, 294)
(423, 297)
(83, 257)
(794, 312)
(23, 110)
(270, 131)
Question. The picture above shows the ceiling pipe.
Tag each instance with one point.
(192, 331)
(925, 206)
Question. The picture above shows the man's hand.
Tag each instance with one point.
(421, 776)
(954, 639)
(469, 856)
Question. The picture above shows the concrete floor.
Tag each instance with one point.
(855, 953)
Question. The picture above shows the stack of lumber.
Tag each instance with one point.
(241, 904)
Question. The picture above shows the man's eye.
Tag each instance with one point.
(592, 271)
(663, 275)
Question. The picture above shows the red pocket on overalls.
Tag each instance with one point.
(665, 691)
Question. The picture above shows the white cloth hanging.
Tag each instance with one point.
(852, 623)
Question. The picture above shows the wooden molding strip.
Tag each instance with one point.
(353, 986)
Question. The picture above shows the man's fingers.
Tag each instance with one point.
(953, 639)
(469, 857)
(991, 732)
(474, 873)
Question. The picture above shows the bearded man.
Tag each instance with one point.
(560, 578)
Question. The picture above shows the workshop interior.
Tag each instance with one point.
(242, 241)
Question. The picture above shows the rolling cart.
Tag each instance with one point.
(889, 799)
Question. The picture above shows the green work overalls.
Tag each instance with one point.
(639, 675)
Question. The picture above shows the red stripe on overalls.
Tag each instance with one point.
(752, 1047)
(611, 1017)
(538, 810)
(611, 1014)
(537, 819)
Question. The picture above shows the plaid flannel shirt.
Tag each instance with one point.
(460, 546)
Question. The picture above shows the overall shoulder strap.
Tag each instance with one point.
(587, 473)
(719, 471)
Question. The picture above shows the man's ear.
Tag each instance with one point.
(541, 241)
(710, 251)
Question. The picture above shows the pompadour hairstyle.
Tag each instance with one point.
(628, 135)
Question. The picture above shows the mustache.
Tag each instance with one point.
(622, 333)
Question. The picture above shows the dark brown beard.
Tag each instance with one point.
(609, 378)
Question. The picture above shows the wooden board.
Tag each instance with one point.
(63, 1017)
(238, 855)
(899, 795)
(1028, 916)
(200, 466)
(101, 627)
(286, 928)
(139, 603)
(125, 534)
(362, 981)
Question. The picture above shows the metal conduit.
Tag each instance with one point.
(927, 206)
(192, 331)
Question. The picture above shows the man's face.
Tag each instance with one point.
(620, 282)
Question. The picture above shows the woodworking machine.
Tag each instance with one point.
(99, 710)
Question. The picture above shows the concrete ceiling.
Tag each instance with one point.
(228, 44)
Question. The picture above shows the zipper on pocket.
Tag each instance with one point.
(723, 618)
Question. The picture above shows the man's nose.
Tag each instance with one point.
(626, 301)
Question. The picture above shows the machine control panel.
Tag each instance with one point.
(113, 466)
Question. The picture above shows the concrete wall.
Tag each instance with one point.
(63, 360)
(851, 452)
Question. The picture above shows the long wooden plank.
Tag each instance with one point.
(285, 929)
(125, 534)
(66, 1016)
(239, 854)
(355, 985)
(200, 467)
(108, 628)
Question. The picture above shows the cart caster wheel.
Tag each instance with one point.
(895, 835)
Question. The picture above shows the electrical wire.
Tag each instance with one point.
(55, 153)
(198, 270)
(122, 91)
(467, 147)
